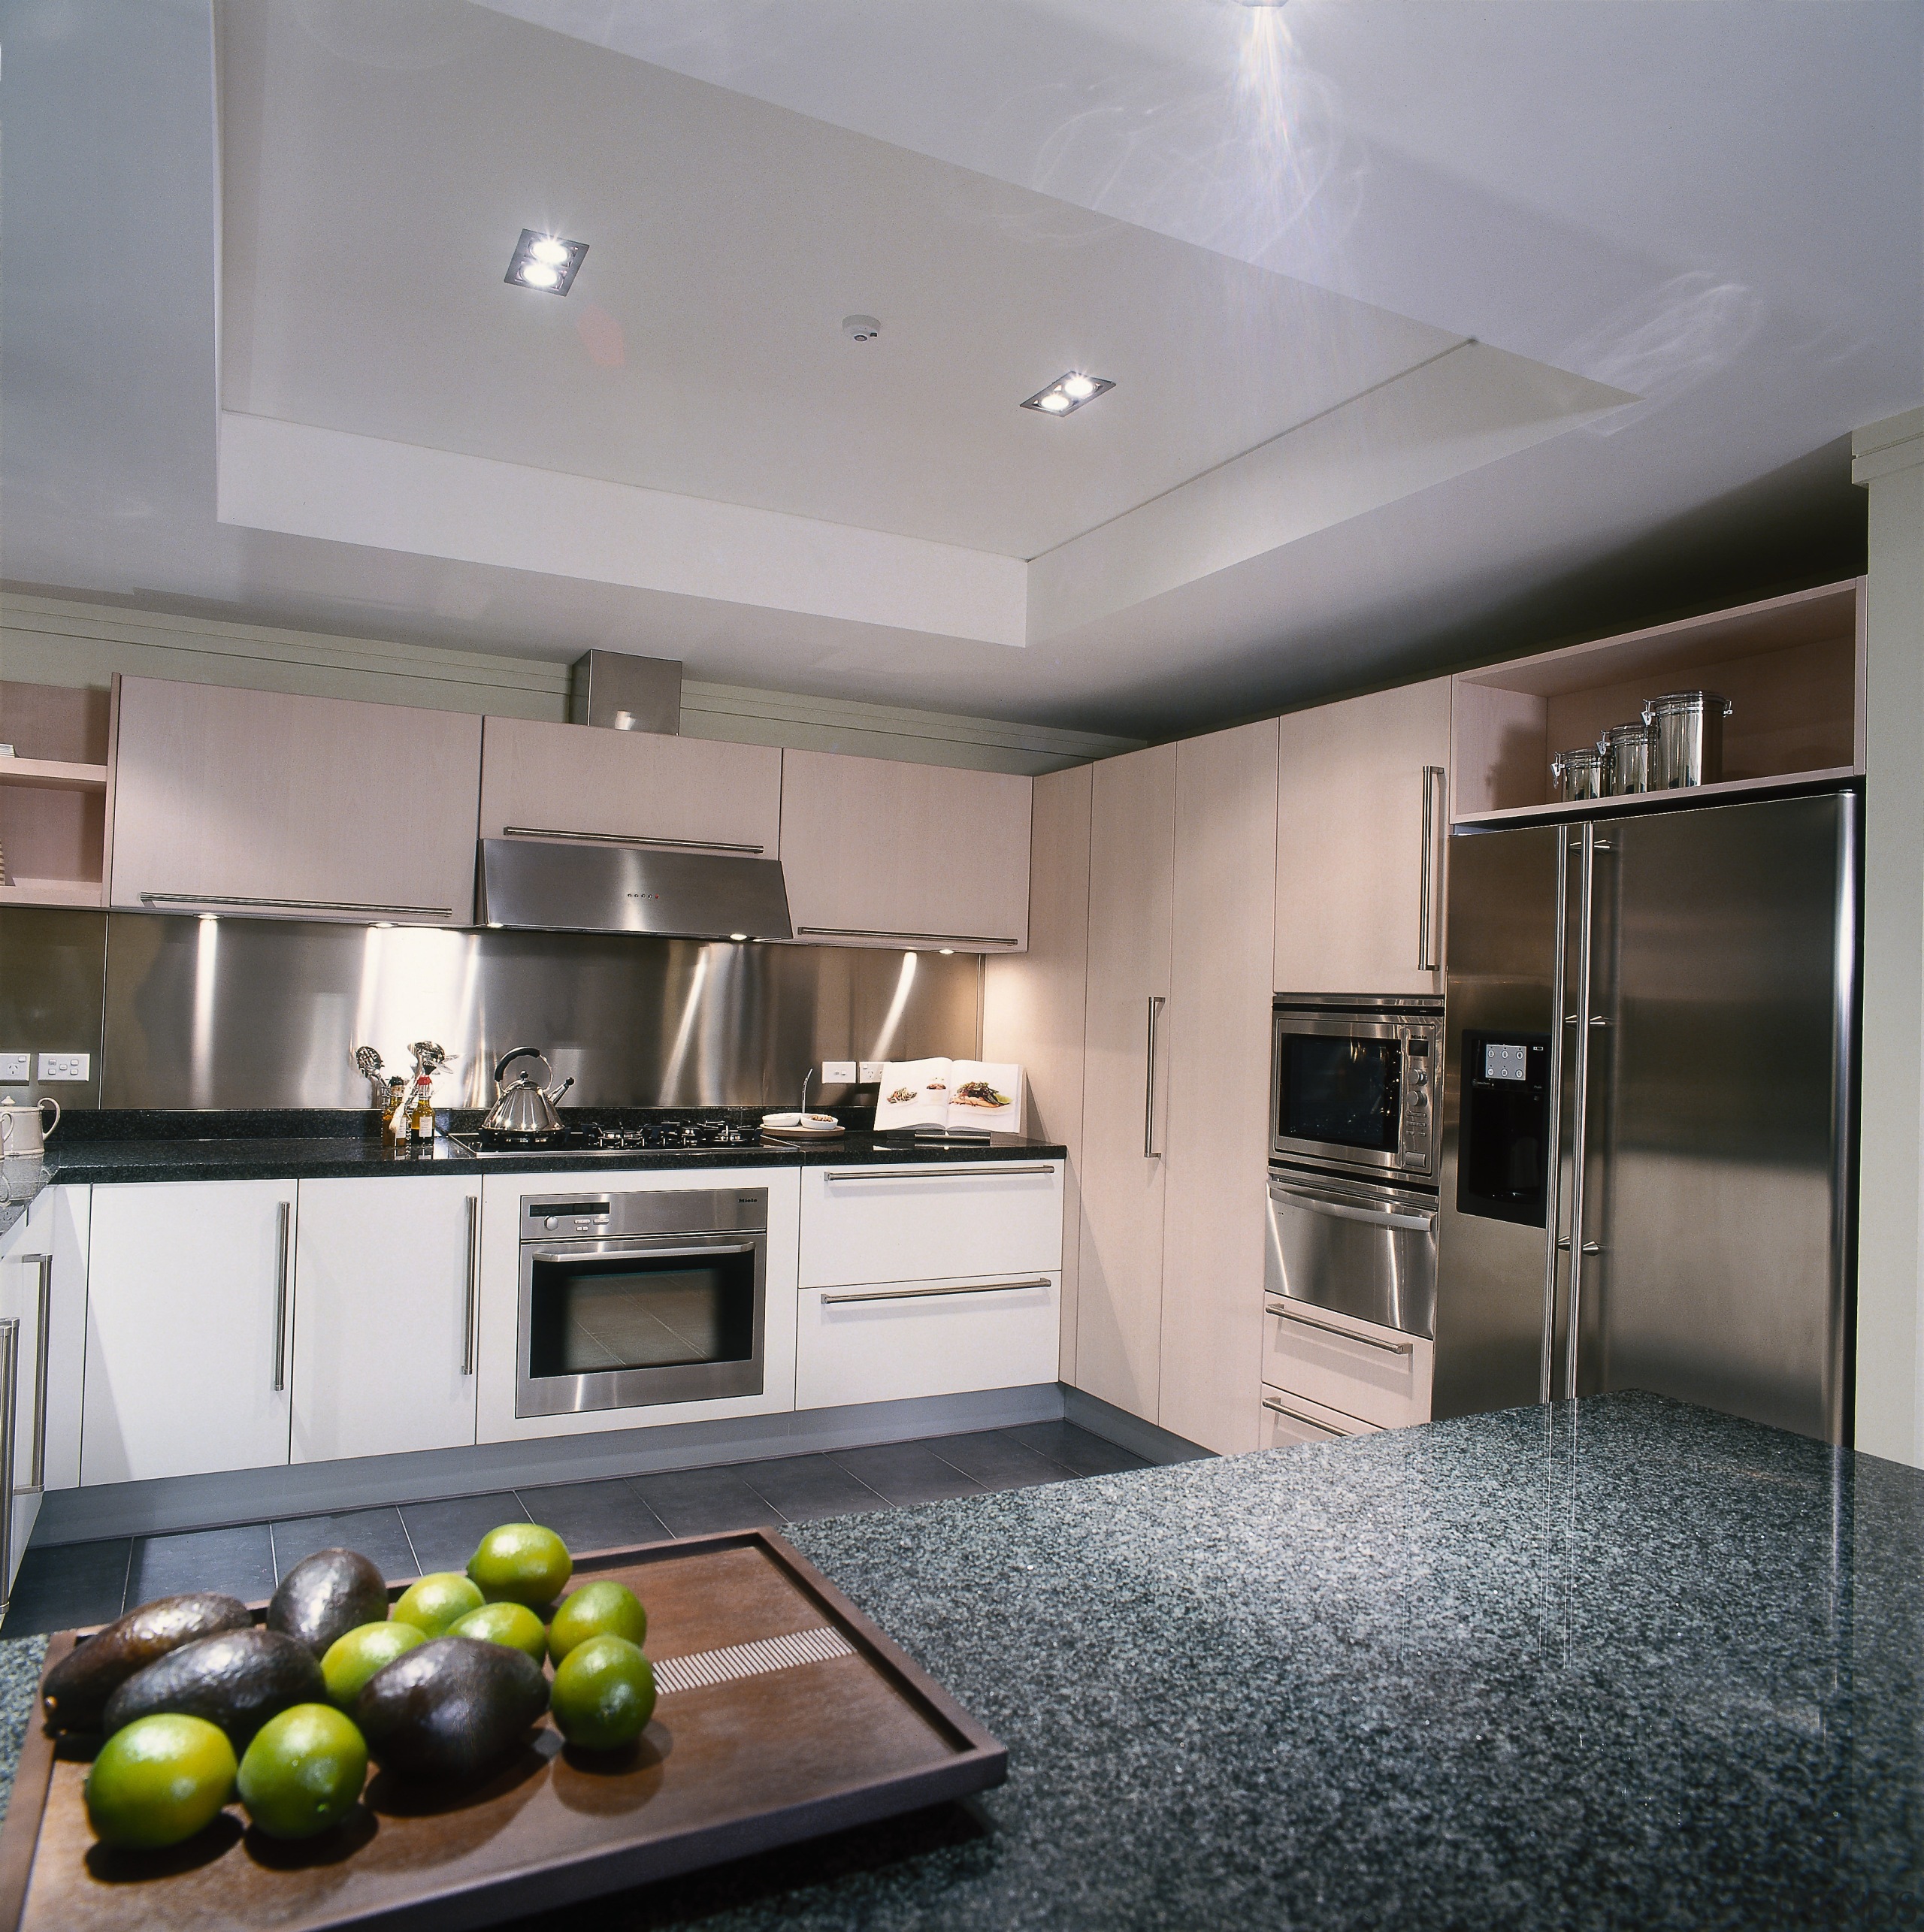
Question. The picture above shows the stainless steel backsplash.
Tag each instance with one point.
(267, 1013)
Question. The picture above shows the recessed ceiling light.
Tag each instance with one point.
(1069, 393)
(545, 261)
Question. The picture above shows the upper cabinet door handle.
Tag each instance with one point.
(1429, 954)
(1150, 1150)
(628, 839)
(296, 904)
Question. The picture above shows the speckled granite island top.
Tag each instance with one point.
(1617, 1664)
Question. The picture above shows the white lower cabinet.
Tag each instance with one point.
(930, 1220)
(190, 1314)
(1378, 1375)
(1287, 1419)
(385, 1277)
(882, 1342)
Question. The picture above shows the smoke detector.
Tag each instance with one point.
(860, 328)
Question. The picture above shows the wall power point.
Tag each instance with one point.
(64, 1066)
(16, 1069)
(838, 1073)
(871, 1071)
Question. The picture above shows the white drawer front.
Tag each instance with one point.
(1355, 1368)
(930, 1222)
(1289, 1419)
(883, 1341)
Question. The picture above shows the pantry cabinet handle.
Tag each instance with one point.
(1289, 1314)
(1149, 1149)
(473, 1284)
(1428, 958)
(916, 1294)
(9, 1370)
(887, 933)
(297, 905)
(283, 1218)
(986, 1170)
(37, 1465)
(626, 839)
(1296, 1415)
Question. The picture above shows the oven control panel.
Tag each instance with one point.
(661, 1211)
(1423, 1044)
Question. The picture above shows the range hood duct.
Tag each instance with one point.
(556, 885)
(623, 692)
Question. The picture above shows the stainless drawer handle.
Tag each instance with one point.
(283, 1216)
(1343, 1210)
(988, 1170)
(474, 1284)
(628, 839)
(1289, 1314)
(917, 1294)
(296, 904)
(1275, 1408)
(37, 1465)
(881, 933)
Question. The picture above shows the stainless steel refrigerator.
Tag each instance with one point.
(1649, 1106)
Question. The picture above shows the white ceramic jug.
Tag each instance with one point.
(21, 1129)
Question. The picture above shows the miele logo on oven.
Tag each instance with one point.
(644, 895)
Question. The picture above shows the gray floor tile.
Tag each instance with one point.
(69, 1587)
(238, 1561)
(594, 1516)
(995, 1461)
(905, 1472)
(377, 1534)
(444, 1534)
(1078, 1451)
(803, 1487)
(701, 1502)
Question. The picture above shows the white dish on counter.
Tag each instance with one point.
(803, 1126)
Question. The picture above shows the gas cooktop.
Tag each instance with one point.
(606, 1143)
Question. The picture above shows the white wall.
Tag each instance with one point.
(1889, 461)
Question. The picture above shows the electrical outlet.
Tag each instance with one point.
(64, 1066)
(16, 1069)
(838, 1073)
(871, 1071)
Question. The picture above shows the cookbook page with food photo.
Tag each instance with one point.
(950, 1093)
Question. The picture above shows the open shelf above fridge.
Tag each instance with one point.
(1792, 668)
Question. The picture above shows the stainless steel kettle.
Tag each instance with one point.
(526, 1107)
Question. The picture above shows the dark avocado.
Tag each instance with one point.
(237, 1680)
(451, 1709)
(78, 1688)
(327, 1595)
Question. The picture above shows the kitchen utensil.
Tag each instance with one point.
(1577, 773)
(525, 1110)
(22, 1130)
(1626, 759)
(369, 1062)
(1686, 738)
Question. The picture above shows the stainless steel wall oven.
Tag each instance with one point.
(632, 1300)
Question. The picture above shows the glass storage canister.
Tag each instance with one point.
(1686, 738)
(1626, 759)
(1577, 773)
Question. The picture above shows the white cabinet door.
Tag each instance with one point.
(1284, 1420)
(49, 1248)
(385, 1275)
(917, 1221)
(882, 854)
(1360, 782)
(1119, 1295)
(888, 1341)
(189, 1312)
(25, 1298)
(631, 788)
(1379, 1375)
(297, 807)
(1217, 1165)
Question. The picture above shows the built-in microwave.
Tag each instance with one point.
(1354, 1084)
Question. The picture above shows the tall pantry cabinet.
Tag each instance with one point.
(1175, 1083)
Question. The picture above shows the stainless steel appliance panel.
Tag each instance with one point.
(1351, 1085)
(267, 1013)
(557, 886)
(1489, 1322)
(1369, 1252)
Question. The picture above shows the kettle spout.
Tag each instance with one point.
(555, 1093)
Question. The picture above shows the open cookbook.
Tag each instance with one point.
(950, 1093)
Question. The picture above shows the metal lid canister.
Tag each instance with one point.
(1577, 773)
(1626, 759)
(1686, 738)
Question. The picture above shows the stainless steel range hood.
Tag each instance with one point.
(554, 885)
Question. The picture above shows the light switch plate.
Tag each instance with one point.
(16, 1069)
(871, 1071)
(838, 1073)
(64, 1066)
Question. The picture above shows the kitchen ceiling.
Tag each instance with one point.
(1416, 312)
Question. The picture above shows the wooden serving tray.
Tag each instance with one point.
(851, 1732)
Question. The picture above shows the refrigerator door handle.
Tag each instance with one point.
(1552, 1176)
(1580, 1085)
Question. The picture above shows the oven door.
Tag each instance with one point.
(633, 1321)
(1336, 1090)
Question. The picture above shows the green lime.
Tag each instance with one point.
(521, 1563)
(514, 1625)
(604, 1693)
(605, 1609)
(304, 1771)
(160, 1780)
(435, 1602)
(351, 1659)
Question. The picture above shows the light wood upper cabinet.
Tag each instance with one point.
(1119, 1297)
(1216, 1165)
(1362, 839)
(878, 853)
(299, 807)
(569, 781)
